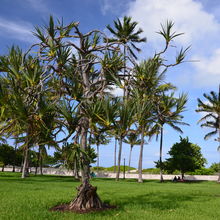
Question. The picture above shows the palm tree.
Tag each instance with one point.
(126, 33)
(132, 139)
(147, 83)
(144, 118)
(99, 138)
(168, 111)
(212, 118)
(125, 119)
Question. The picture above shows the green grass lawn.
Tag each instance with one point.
(31, 199)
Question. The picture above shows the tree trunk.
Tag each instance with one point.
(119, 159)
(16, 145)
(129, 162)
(3, 167)
(25, 171)
(219, 138)
(115, 152)
(41, 163)
(140, 180)
(76, 174)
(86, 198)
(38, 160)
(161, 148)
(182, 175)
(97, 157)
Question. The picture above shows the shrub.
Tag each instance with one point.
(202, 171)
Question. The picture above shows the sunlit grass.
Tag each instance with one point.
(31, 199)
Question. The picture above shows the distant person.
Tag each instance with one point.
(92, 174)
(174, 179)
(178, 178)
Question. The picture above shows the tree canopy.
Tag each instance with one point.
(185, 156)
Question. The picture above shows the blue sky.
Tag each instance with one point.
(198, 19)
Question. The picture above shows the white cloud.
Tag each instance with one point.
(201, 30)
(113, 6)
(106, 6)
(208, 69)
(17, 30)
(188, 15)
(38, 5)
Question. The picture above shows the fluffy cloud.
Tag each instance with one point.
(201, 30)
(189, 17)
(208, 69)
(17, 30)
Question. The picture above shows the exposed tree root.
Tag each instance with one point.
(87, 200)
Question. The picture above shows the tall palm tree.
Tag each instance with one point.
(147, 84)
(132, 138)
(123, 123)
(99, 138)
(168, 111)
(144, 119)
(211, 106)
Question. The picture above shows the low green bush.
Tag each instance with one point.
(98, 168)
(202, 171)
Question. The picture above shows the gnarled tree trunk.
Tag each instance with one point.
(86, 198)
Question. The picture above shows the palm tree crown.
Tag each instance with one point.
(126, 33)
(212, 107)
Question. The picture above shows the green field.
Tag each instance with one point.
(31, 199)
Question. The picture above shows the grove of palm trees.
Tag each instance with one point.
(60, 93)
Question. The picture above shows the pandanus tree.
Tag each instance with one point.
(22, 89)
(91, 64)
(211, 106)
(168, 111)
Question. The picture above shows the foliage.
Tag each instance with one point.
(98, 168)
(185, 156)
(215, 167)
(111, 169)
(202, 171)
(70, 155)
(151, 170)
(211, 106)
(7, 154)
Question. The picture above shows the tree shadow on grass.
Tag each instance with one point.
(159, 200)
(44, 178)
